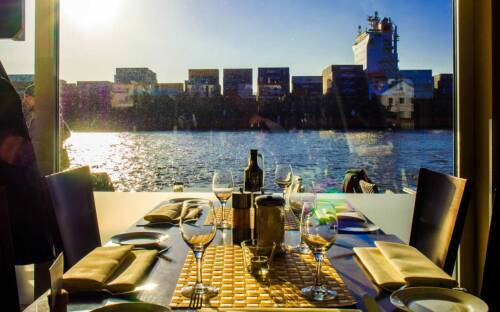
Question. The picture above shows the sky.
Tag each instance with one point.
(170, 36)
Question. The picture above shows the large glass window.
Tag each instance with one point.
(157, 92)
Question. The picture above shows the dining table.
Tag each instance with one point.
(123, 212)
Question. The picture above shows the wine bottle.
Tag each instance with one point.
(253, 175)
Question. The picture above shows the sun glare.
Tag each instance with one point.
(90, 14)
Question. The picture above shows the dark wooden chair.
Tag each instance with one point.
(439, 215)
(352, 178)
(76, 230)
(10, 299)
(491, 273)
(367, 187)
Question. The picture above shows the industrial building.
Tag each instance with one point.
(345, 80)
(422, 80)
(307, 86)
(203, 83)
(443, 84)
(142, 75)
(122, 94)
(170, 89)
(273, 83)
(238, 82)
(94, 94)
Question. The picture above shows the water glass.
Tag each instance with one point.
(319, 229)
(222, 186)
(258, 257)
(198, 236)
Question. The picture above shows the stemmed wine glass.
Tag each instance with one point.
(198, 236)
(283, 176)
(319, 229)
(222, 186)
(302, 195)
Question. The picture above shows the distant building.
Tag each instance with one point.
(423, 82)
(21, 81)
(238, 82)
(95, 95)
(345, 81)
(273, 83)
(398, 98)
(68, 97)
(443, 84)
(203, 83)
(141, 75)
(171, 89)
(22, 78)
(307, 86)
(122, 94)
(376, 49)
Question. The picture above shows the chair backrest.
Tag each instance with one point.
(367, 187)
(439, 215)
(491, 274)
(352, 178)
(77, 230)
(10, 299)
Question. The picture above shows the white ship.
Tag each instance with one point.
(376, 49)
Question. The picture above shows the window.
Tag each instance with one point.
(190, 86)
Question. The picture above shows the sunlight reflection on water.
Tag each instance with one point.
(150, 161)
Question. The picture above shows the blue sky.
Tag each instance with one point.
(170, 36)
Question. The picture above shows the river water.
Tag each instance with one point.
(151, 161)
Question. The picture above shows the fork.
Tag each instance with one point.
(196, 300)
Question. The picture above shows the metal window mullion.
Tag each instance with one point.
(46, 134)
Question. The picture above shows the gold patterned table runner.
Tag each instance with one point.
(291, 221)
(223, 267)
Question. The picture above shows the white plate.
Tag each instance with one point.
(361, 228)
(434, 299)
(132, 307)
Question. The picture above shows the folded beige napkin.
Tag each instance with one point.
(393, 265)
(92, 271)
(119, 266)
(130, 273)
(171, 213)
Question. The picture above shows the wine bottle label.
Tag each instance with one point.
(253, 181)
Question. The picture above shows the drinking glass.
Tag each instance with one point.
(198, 236)
(319, 229)
(222, 186)
(283, 176)
(302, 195)
(258, 257)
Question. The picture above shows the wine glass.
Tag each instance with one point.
(222, 186)
(302, 195)
(283, 176)
(198, 236)
(319, 229)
